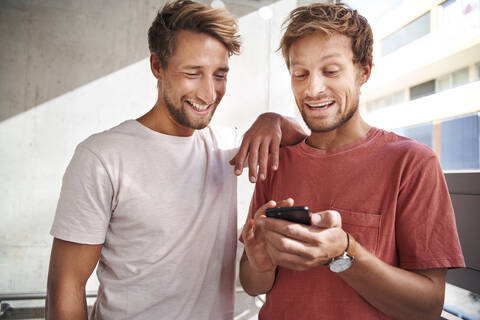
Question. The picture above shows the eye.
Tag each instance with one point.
(221, 76)
(192, 74)
(331, 72)
(299, 75)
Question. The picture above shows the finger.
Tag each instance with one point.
(287, 260)
(286, 203)
(306, 250)
(253, 161)
(241, 156)
(261, 211)
(275, 151)
(272, 204)
(293, 230)
(263, 160)
(248, 232)
(327, 219)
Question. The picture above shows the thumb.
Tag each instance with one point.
(261, 210)
(326, 219)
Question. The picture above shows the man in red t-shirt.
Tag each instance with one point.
(383, 231)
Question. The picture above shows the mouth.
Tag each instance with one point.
(199, 107)
(320, 105)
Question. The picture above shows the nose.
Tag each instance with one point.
(316, 85)
(207, 92)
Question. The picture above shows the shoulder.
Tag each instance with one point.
(222, 136)
(413, 159)
(291, 150)
(407, 147)
(117, 137)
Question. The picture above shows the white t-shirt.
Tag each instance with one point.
(164, 208)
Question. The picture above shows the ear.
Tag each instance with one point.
(156, 66)
(365, 72)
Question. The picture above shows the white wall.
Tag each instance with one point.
(35, 148)
(70, 69)
(258, 82)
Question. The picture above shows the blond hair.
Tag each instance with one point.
(196, 17)
(329, 19)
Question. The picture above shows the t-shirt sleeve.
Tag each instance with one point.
(261, 195)
(228, 137)
(239, 136)
(85, 205)
(426, 229)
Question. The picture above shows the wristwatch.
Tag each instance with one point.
(344, 262)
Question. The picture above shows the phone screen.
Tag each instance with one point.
(292, 214)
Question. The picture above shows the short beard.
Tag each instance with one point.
(181, 117)
(333, 126)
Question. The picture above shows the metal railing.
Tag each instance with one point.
(8, 311)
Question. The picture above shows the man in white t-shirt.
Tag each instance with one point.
(153, 200)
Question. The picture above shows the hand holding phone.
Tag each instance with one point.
(299, 214)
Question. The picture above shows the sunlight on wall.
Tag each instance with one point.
(35, 148)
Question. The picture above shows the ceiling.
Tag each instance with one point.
(372, 9)
(240, 8)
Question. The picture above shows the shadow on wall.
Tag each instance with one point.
(52, 47)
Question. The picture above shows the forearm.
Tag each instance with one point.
(394, 291)
(253, 282)
(66, 302)
(293, 131)
(71, 264)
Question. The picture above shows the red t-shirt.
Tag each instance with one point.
(392, 196)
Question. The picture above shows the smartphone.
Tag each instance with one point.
(292, 214)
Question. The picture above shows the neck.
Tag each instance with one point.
(355, 129)
(159, 119)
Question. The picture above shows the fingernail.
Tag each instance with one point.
(275, 168)
(262, 176)
(237, 172)
(252, 179)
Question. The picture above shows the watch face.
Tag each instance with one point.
(340, 264)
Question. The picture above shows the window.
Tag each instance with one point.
(448, 3)
(422, 90)
(422, 133)
(443, 82)
(385, 101)
(460, 15)
(459, 144)
(451, 80)
(412, 31)
(398, 97)
(460, 77)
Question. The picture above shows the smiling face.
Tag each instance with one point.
(193, 82)
(325, 81)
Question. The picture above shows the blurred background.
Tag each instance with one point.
(72, 68)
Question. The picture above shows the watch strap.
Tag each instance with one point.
(351, 246)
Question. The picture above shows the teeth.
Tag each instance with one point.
(198, 106)
(320, 105)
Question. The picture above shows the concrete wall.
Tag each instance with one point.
(50, 47)
(71, 68)
(258, 82)
(67, 69)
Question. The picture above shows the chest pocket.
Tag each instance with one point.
(364, 227)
